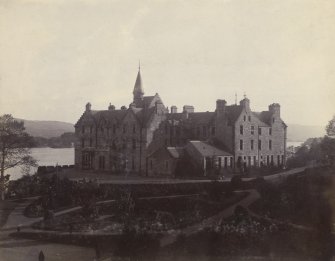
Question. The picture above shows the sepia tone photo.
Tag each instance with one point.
(167, 130)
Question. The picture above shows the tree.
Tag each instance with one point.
(330, 128)
(15, 146)
(328, 149)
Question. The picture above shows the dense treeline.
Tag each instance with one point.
(318, 150)
(66, 140)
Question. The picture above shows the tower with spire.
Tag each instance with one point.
(138, 92)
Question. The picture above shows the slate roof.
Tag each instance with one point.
(138, 84)
(176, 152)
(194, 117)
(207, 150)
(264, 116)
(201, 117)
(233, 112)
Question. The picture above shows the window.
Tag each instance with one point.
(133, 163)
(259, 131)
(90, 142)
(102, 130)
(270, 144)
(278, 160)
(204, 131)
(273, 119)
(271, 159)
(171, 130)
(213, 130)
(166, 129)
(255, 161)
(124, 128)
(244, 118)
(178, 131)
(241, 129)
(83, 143)
(198, 131)
(151, 164)
(241, 144)
(270, 131)
(166, 165)
(166, 142)
(134, 144)
(259, 144)
(83, 129)
(134, 128)
(249, 118)
(91, 129)
(114, 128)
(252, 131)
(252, 144)
(101, 162)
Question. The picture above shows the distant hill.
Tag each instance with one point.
(296, 132)
(47, 129)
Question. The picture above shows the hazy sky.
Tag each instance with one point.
(56, 55)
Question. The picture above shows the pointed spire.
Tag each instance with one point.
(138, 84)
(138, 89)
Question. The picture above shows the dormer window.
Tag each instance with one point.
(249, 118)
(244, 117)
(273, 120)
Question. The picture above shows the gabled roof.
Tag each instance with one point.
(176, 152)
(147, 100)
(233, 112)
(207, 150)
(264, 116)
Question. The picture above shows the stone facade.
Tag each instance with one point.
(122, 140)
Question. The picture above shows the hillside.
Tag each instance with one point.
(47, 129)
(296, 132)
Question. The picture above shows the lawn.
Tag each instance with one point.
(6, 207)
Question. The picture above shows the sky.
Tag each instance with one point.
(57, 55)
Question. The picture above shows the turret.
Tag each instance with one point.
(188, 108)
(274, 108)
(138, 89)
(220, 107)
(174, 109)
(88, 107)
(245, 103)
(111, 107)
